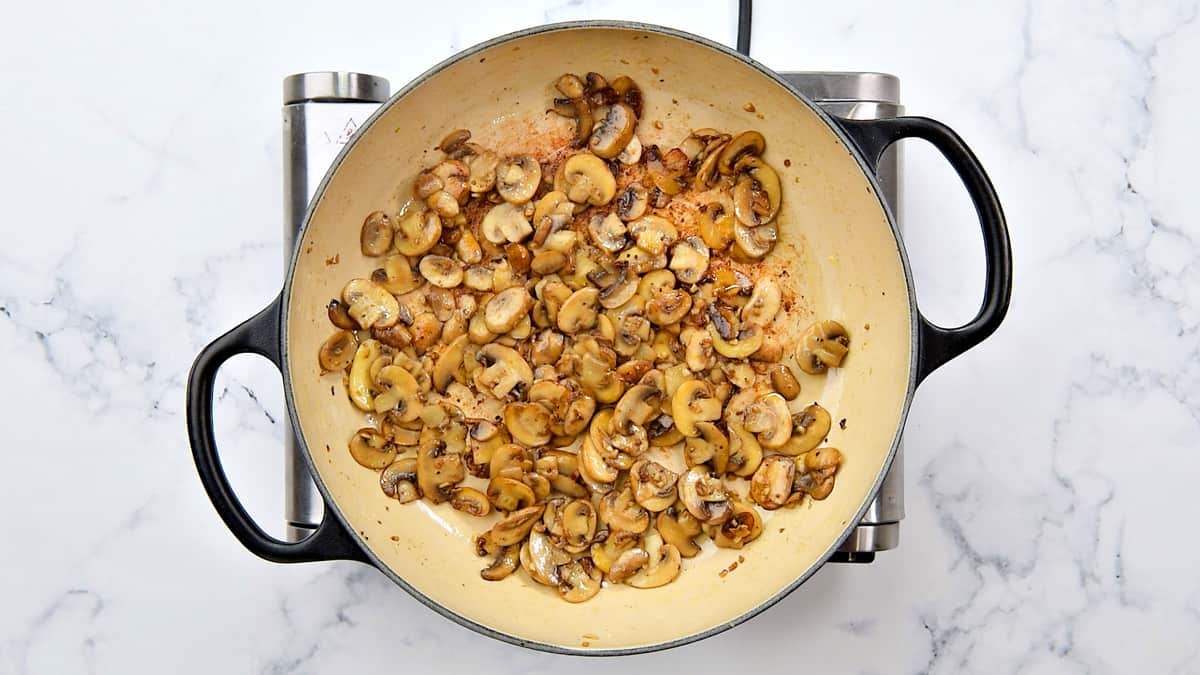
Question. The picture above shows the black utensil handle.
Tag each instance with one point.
(259, 335)
(938, 345)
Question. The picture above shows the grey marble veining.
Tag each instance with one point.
(1051, 471)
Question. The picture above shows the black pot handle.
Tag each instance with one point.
(938, 345)
(259, 335)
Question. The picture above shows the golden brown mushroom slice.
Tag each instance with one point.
(581, 581)
(438, 469)
(371, 449)
(784, 381)
(509, 494)
(417, 232)
(704, 495)
(743, 526)
(506, 563)
(769, 418)
(369, 304)
(360, 386)
(626, 565)
(815, 472)
(614, 132)
(377, 232)
(620, 511)
(822, 347)
(710, 443)
(586, 178)
(809, 427)
(398, 480)
(541, 559)
(747, 143)
(528, 423)
(337, 352)
(470, 501)
(674, 531)
(772, 482)
(653, 485)
(663, 567)
(515, 526)
(693, 402)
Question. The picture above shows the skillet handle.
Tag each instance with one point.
(258, 335)
(938, 345)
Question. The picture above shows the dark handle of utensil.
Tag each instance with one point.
(937, 344)
(259, 335)
(745, 19)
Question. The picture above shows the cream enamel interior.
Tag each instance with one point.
(837, 251)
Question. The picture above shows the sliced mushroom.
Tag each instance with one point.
(605, 554)
(764, 303)
(441, 271)
(438, 470)
(370, 304)
(397, 276)
(482, 166)
(716, 227)
(641, 261)
(743, 526)
(772, 482)
(626, 565)
(653, 485)
(636, 407)
(426, 330)
(815, 472)
(747, 143)
(371, 449)
(747, 342)
(703, 495)
(593, 465)
(504, 370)
(809, 427)
(698, 353)
(580, 581)
(470, 501)
(632, 202)
(505, 223)
(417, 232)
(770, 418)
(506, 309)
(745, 452)
(399, 392)
(586, 178)
(506, 563)
(676, 534)
(614, 132)
(339, 315)
(514, 527)
(508, 460)
(528, 423)
(708, 171)
(578, 519)
(784, 382)
(655, 283)
(337, 352)
(548, 262)
(541, 558)
(579, 312)
(377, 233)
(654, 234)
(510, 494)
(607, 232)
(518, 178)
(689, 260)
(710, 443)
(570, 85)
(693, 402)
(757, 197)
(754, 242)
(632, 154)
(620, 511)
(360, 386)
(663, 568)
(823, 346)
(449, 362)
(669, 307)
(399, 480)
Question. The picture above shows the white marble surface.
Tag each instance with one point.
(1051, 506)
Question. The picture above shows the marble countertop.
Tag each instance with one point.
(1047, 469)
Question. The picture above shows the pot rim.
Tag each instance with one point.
(331, 505)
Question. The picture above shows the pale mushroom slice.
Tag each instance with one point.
(632, 153)
(506, 309)
(608, 232)
(482, 165)
(809, 427)
(337, 352)
(508, 460)
(369, 304)
(704, 495)
(579, 312)
(669, 308)
(399, 391)
(769, 418)
(580, 581)
(754, 242)
(518, 178)
(377, 232)
(689, 260)
(764, 303)
(441, 271)
(505, 223)
(653, 485)
(663, 567)
(449, 362)
(399, 480)
(771, 484)
(371, 449)
(593, 465)
(653, 234)
(586, 178)
(635, 408)
(823, 346)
